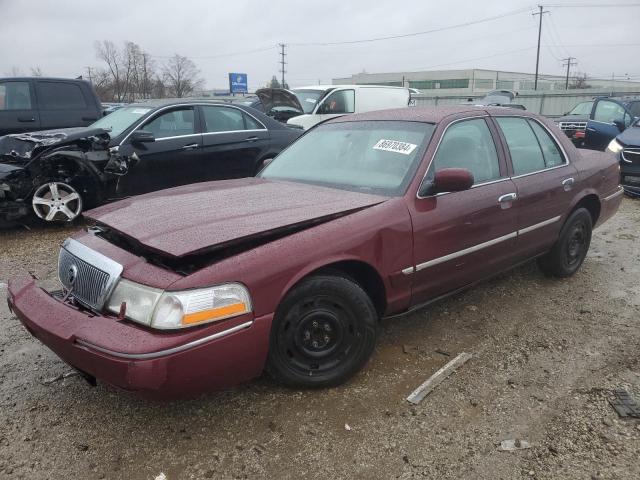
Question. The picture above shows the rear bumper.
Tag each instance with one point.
(161, 365)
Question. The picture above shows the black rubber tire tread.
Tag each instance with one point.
(364, 312)
(554, 263)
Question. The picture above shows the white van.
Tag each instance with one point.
(321, 102)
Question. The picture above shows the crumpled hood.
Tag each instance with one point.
(278, 97)
(22, 147)
(196, 218)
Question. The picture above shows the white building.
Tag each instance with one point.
(474, 81)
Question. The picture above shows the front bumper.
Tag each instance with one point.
(11, 210)
(630, 178)
(161, 365)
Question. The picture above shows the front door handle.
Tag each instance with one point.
(251, 139)
(507, 197)
(191, 146)
(591, 129)
(26, 119)
(567, 184)
(89, 119)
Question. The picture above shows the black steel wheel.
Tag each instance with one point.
(323, 332)
(570, 250)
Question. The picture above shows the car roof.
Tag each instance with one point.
(430, 114)
(163, 102)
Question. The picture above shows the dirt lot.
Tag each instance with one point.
(546, 354)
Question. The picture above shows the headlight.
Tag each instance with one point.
(179, 309)
(614, 146)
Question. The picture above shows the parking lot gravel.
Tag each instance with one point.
(546, 355)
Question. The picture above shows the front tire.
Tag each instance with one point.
(56, 202)
(570, 250)
(323, 332)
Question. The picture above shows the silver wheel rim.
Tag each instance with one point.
(56, 201)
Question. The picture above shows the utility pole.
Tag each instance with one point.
(541, 12)
(569, 64)
(90, 77)
(282, 62)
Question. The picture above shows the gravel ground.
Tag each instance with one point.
(546, 355)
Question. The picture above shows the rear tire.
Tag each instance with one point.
(570, 250)
(323, 332)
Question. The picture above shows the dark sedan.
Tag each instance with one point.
(136, 149)
(365, 216)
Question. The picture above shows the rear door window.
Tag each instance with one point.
(222, 119)
(526, 155)
(550, 150)
(15, 96)
(60, 96)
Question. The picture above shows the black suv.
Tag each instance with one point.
(28, 104)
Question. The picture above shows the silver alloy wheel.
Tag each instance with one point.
(57, 201)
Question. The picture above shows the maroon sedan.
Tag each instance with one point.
(364, 217)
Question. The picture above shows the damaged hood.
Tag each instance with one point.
(213, 215)
(22, 147)
(278, 97)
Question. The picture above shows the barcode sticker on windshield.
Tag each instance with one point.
(395, 146)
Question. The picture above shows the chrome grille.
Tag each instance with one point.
(632, 156)
(89, 275)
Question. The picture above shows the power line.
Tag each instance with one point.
(414, 34)
(592, 5)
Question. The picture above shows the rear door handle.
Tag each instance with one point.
(591, 129)
(191, 146)
(251, 139)
(567, 184)
(26, 119)
(89, 119)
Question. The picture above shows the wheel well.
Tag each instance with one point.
(58, 167)
(364, 275)
(592, 204)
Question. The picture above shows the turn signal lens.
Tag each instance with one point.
(614, 146)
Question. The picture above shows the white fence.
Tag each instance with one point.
(551, 104)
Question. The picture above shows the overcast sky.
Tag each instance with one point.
(58, 36)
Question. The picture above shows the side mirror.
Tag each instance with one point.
(142, 136)
(448, 180)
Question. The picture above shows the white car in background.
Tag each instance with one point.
(321, 102)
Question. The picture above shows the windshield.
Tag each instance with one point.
(121, 119)
(370, 157)
(583, 108)
(309, 98)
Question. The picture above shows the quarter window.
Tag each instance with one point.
(60, 96)
(15, 96)
(550, 151)
(222, 119)
(526, 155)
(175, 123)
(608, 112)
(251, 124)
(469, 144)
(342, 101)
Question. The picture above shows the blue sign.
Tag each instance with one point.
(238, 83)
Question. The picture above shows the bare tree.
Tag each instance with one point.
(36, 72)
(579, 81)
(181, 76)
(14, 72)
